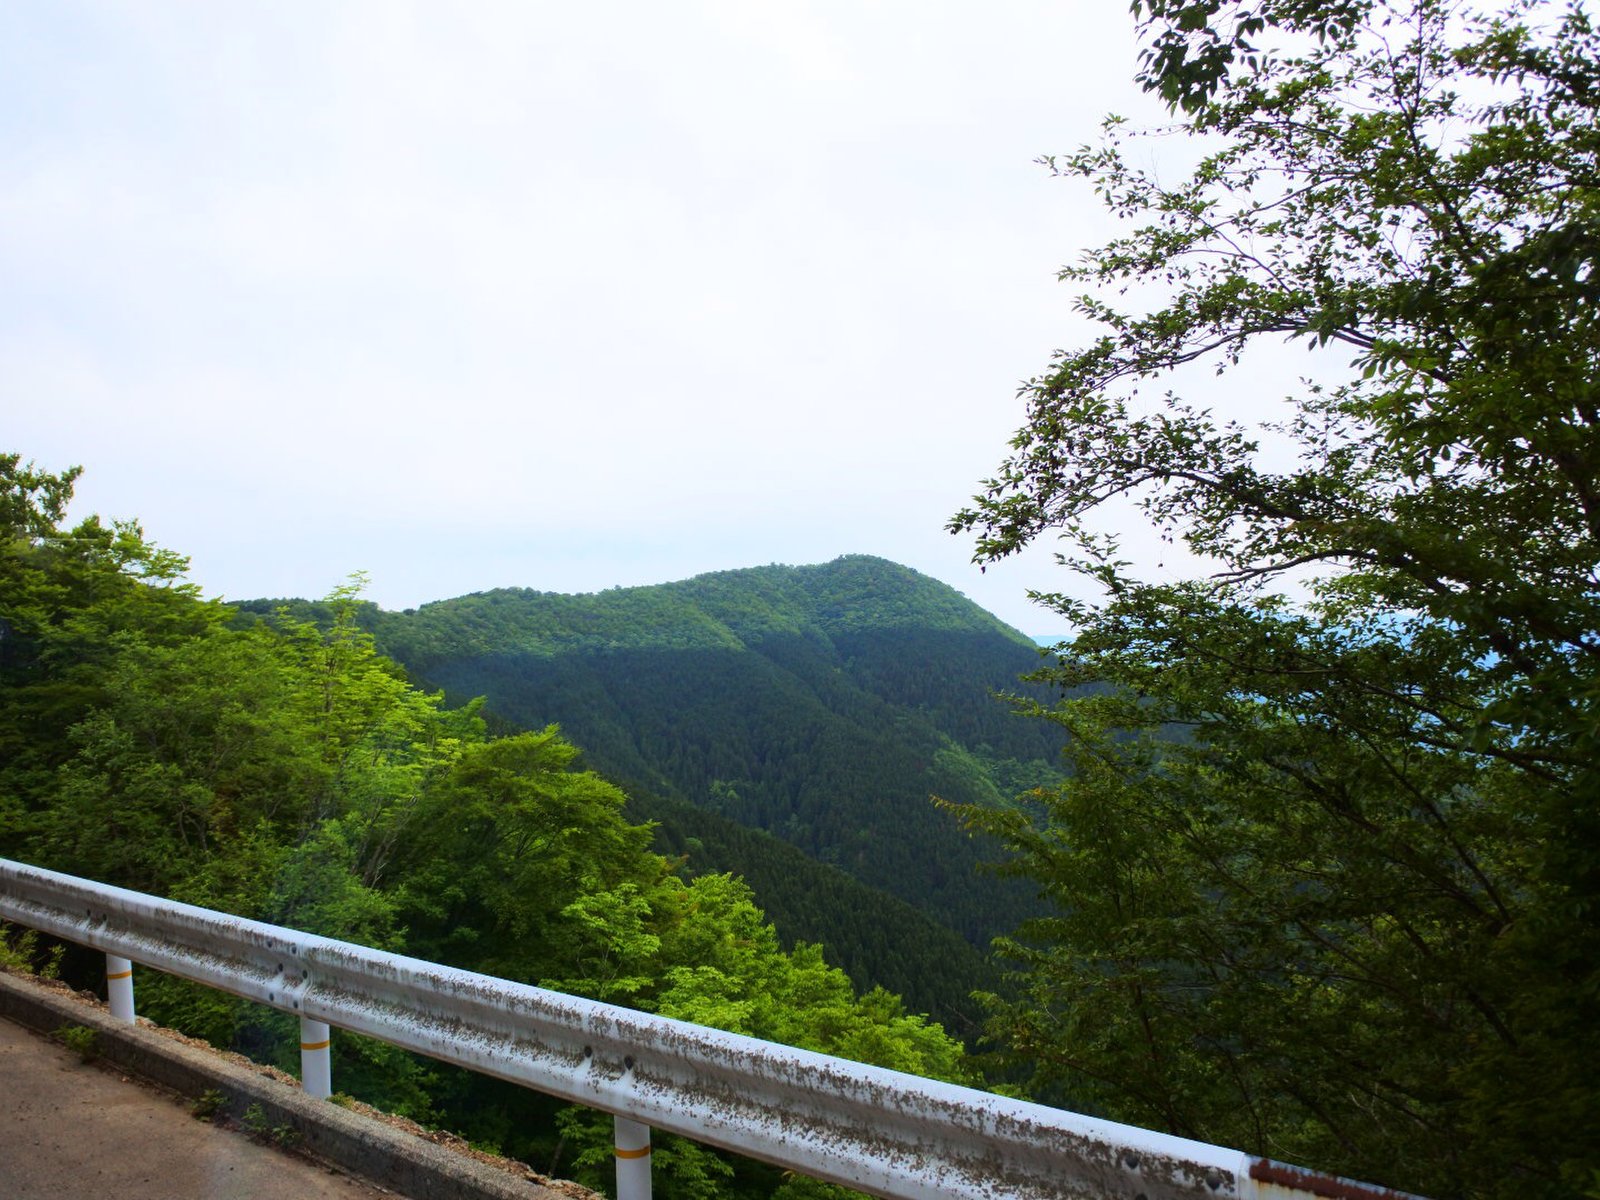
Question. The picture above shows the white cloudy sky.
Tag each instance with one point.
(558, 296)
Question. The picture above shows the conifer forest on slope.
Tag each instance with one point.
(282, 769)
(820, 705)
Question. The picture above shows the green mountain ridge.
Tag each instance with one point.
(819, 706)
(720, 610)
(282, 770)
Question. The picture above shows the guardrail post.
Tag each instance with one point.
(316, 1066)
(633, 1160)
(119, 987)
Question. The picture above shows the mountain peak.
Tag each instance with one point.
(852, 594)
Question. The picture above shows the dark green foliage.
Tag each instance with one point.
(774, 739)
(20, 950)
(1350, 917)
(282, 769)
(875, 938)
(823, 705)
(32, 502)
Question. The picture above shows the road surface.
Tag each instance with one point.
(76, 1131)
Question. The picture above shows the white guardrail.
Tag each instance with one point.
(879, 1131)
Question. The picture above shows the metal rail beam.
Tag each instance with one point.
(879, 1131)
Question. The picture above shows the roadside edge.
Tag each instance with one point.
(410, 1165)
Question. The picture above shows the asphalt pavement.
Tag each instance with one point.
(71, 1130)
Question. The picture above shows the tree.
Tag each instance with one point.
(1327, 868)
(32, 501)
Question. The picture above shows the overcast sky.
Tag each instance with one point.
(537, 295)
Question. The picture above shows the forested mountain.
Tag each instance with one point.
(877, 939)
(283, 770)
(823, 705)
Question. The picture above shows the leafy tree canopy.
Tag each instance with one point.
(284, 770)
(1327, 869)
(32, 501)
(815, 707)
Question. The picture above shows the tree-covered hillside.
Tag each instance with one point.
(283, 770)
(875, 938)
(824, 705)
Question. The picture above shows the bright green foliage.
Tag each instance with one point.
(81, 1040)
(872, 936)
(820, 706)
(523, 866)
(20, 951)
(728, 972)
(69, 601)
(32, 502)
(283, 770)
(725, 610)
(1327, 869)
(718, 963)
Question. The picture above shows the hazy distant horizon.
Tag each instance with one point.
(565, 298)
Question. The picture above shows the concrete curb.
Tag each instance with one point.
(391, 1158)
